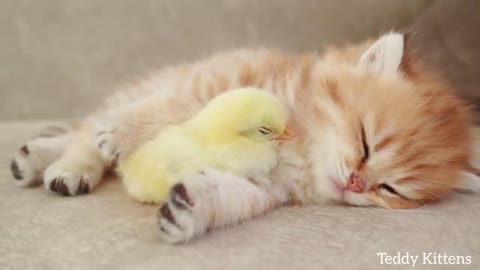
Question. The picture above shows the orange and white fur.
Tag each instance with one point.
(373, 130)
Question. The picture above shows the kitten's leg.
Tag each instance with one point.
(211, 199)
(94, 147)
(122, 130)
(80, 168)
(31, 159)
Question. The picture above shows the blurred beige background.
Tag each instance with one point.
(59, 57)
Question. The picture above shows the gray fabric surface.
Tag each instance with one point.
(107, 230)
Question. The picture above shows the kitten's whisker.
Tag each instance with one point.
(426, 101)
(434, 194)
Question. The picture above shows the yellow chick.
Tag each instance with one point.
(236, 132)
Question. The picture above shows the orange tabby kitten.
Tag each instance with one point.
(373, 131)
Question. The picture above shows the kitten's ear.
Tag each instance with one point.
(385, 55)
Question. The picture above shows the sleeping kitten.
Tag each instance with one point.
(374, 130)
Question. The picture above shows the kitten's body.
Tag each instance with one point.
(372, 131)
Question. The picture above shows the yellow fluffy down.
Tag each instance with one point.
(225, 135)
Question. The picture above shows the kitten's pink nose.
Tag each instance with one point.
(356, 183)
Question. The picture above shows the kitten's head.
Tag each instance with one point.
(395, 138)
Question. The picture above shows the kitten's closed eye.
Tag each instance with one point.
(366, 151)
(390, 189)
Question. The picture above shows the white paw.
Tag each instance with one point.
(72, 178)
(189, 209)
(105, 139)
(31, 160)
(25, 167)
(470, 183)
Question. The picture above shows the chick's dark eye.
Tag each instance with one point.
(388, 188)
(264, 130)
(366, 151)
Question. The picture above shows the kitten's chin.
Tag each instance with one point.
(328, 191)
(349, 198)
(357, 199)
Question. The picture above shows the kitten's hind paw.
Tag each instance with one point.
(31, 159)
(24, 168)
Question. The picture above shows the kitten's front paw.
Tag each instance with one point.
(69, 178)
(105, 140)
(188, 210)
(175, 217)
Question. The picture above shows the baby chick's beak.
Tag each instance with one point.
(287, 134)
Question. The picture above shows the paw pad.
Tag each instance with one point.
(17, 174)
(24, 150)
(179, 196)
(83, 187)
(58, 185)
(166, 213)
